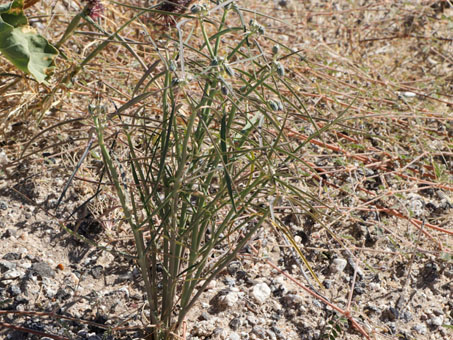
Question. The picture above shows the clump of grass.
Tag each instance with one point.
(196, 183)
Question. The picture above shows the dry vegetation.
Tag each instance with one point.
(367, 117)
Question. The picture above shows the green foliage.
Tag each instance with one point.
(22, 45)
(334, 328)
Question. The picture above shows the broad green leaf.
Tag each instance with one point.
(22, 45)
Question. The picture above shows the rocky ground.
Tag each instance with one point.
(43, 268)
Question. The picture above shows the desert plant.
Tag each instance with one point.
(202, 174)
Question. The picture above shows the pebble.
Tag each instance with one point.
(259, 332)
(437, 321)
(271, 335)
(230, 282)
(25, 265)
(42, 269)
(235, 323)
(338, 265)
(211, 284)
(7, 265)
(229, 300)
(234, 336)
(233, 267)
(278, 332)
(204, 316)
(291, 300)
(406, 316)
(9, 233)
(12, 274)
(390, 314)
(14, 290)
(12, 256)
(420, 328)
(327, 283)
(252, 320)
(94, 337)
(261, 292)
(283, 3)
(97, 271)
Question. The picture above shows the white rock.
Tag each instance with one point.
(338, 265)
(13, 273)
(420, 328)
(50, 292)
(211, 285)
(229, 300)
(234, 336)
(261, 292)
(437, 321)
(25, 265)
(408, 94)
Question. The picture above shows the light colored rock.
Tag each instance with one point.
(437, 321)
(338, 265)
(420, 328)
(211, 285)
(229, 300)
(13, 273)
(234, 336)
(261, 292)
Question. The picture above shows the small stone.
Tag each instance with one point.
(9, 233)
(261, 292)
(219, 333)
(437, 321)
(3, 205)
(13, 274)
(233, 267)
(390, 314)
(12, 256)
(327, 283)
(270, 335)
(42, 269)
(94, 337)
(24, 265)
(7, 265)
(211, 284)
(229, 300)
(406, 316)
(278, 332)
(241, 275)
(338, 265)
(291, 300)
(234, 336)
(14, 290)
(259, 332)
(420, 328)
(230, 282)
(235, 323)
(204, 316)
(252, 320)
(97, 271)
(50, 292)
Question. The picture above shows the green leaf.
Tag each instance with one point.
(22, 45)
